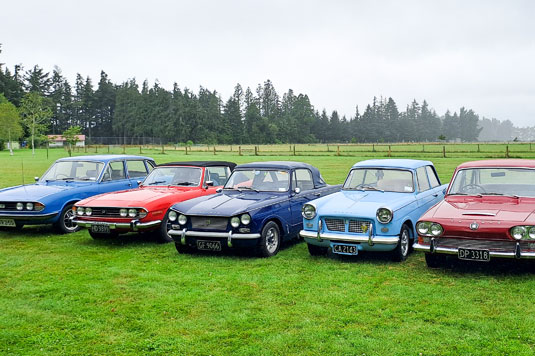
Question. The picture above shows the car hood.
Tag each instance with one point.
(135, 197)
(229, 203)
(35, 192)
(361, 203)
(484, 208)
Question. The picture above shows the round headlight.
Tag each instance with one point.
(532, 232)
(436, 229)
(308, 211)
(80, 211)
(172, 215)
(245, 219)
(384, 215)
(123, 213)
(423, 228)
(29, 206)
(235, 221)
(20, 206)
(88, 211)
(518, 232)
(182, 219)
(132, 213)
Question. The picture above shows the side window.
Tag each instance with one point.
(150, 165)
(432, 176)
(423, 183)
(136, 169)
(303, 179)
(218, 175)
(115, 171)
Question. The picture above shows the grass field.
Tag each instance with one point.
(71, 295)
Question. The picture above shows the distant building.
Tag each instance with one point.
(59, 141)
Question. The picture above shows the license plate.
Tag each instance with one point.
(209, 245)
(101, 229)
(473, 255)
(345, 249)
(7, 222)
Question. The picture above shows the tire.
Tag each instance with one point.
(401, 251)
(182, 248)
(101, 236)
(434, 260)
(161, 234)
(65, 225)
(317, 250)
(270, 240)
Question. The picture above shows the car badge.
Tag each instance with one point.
(207, 222)
(364, 227)
(474, 226)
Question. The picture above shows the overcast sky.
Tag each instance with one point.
(477, 54)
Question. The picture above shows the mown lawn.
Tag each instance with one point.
(68, 294)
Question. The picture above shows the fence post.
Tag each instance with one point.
(507, 151)
(530, 146)
(108, 148)
(139, 149)
(423, 147)
(444, 151)
(294, 150)
(478, 148)
(230, 148)
(373, 147)
(186, 150)
(124, 149)
(214, 150)
(338, 150)
(389, 151)
(85, 148)
(239, 151)
(256, 150)
(163, 149)
(328, 150)
(96, 148)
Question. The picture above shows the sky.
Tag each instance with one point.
(476, 54)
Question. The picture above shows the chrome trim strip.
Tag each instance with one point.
(475, 213)
(454, 251)
(26, 216)
(213, 234)
(133, 225)
(380, 240)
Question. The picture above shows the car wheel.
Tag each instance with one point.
(161, 234)
(182, 248)
(102, 236)
(434, 260)
(402, 249)
(65, 225)
(315, 250)
(270, 240)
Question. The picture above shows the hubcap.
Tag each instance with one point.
(67, 220)
(404, 242)
(272, 240)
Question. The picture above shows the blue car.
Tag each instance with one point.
(376, 210)
(259, 207)
(68, 180)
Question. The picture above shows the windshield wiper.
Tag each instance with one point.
(248, 188)
(185, 183)
(67, 178)
(156, 182)
(490, 193)
(459, 193)
(364, 187)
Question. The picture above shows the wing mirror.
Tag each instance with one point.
(36, 179)
(139, 183)
(297, 190)
(219, 190)
(209, 183)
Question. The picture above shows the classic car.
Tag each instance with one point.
(376, 210)
(67, 181)
(145, 208)
(258, 208)
(488, 212)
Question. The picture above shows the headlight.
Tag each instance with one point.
(29, 206)
(88, 211)
(182, 219)
(235, 221)
(123, 213)
(132, 213)
(172, 216)
(20, 206)
(245, 219)
(532, 232)
(436, 229)
(518, 232)
(384, 215)
(80, 211)
(422, 227)
(308, 211)
(141, 213)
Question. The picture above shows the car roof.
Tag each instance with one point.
(277, 165)
(103, 158)
(522, 163)
(393, 163)
(231, 165)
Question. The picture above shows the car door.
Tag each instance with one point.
(114, 177)
(137, 171)
(305, 192)
(217, 175)
(438, 190)
(425, 196)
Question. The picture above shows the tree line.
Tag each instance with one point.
(263, 116)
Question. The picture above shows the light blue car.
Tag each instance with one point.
(376, 210)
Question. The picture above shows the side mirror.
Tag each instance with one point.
(36, 179)
(444, 191)
(297, 190)
(219, 190)
(209, 183)
(139, 183)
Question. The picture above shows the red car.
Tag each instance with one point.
(488, 212)
(145, 208)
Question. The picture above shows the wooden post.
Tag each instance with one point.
(108, 148)
(507, 151)
(139, 149)
(186, 150)
(444, 151)
(373, 147)
(256, 150)
(423, 147)
(294, 150)
(96, 148)
(214, 150)
(230, 148)
(328, 150)
(389, 151)
(239, 151)
(163, 149)
(85, 149)
(338, 150)
(530, 146)
(478, 148)
(124, 149)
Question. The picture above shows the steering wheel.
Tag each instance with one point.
(473, 188)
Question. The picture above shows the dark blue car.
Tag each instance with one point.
(259, 207)
(68, 180)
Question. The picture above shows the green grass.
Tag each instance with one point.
(71, 295)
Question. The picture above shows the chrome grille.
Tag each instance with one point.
(335, 225)
(209, 223)
(358, 226)
(106, 212)
(483, 244)
(11, 206)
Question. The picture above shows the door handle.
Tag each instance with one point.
(317, 194)
(435, 195)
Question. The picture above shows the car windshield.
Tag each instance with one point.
(380, 179)
(494, 181)
(179, 176)
(73, 170)
(259, 180)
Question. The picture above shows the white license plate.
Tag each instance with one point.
(7, 222)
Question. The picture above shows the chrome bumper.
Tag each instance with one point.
(454, 251)
(28, 217)
(229, 235)
(370, 239)
(133, 225)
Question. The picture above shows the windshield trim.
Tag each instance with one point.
(173, 185)
(76, 180)
(261, 169)
(383, 168)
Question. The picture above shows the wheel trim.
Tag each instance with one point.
(272, 240)
(404, 242)
(67, 220)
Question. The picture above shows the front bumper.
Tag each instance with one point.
(30, 218)
(370, 239)
(180, 235)
(433, 248)
(132, 226)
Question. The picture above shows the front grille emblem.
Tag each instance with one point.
(474, 226)
(364, 227)
(207, 222)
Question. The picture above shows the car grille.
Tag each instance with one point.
(358, 226)
(209, 223)
(483, 244)
(10, 206)
(335, 225)
(106, 212)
